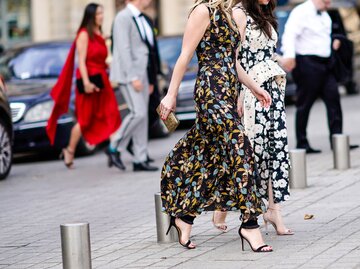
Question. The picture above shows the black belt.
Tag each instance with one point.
(324, 60)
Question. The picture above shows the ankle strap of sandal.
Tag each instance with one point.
(69, 151)
(250, 224)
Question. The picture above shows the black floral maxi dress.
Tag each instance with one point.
(266, 127)
(212, 166)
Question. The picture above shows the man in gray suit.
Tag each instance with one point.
(131, 34)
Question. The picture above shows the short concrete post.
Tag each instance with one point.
(341, 151)
(75, 245)
(162, 223)
(298, 169)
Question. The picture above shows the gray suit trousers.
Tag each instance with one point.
(135, 124)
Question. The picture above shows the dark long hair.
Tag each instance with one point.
(88, 20)
(263, 15)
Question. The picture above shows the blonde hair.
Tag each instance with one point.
(223, 5)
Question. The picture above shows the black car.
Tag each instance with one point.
(6, 133)
(30, 72)
(170, 49)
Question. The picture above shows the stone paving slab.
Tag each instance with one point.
(41, 195)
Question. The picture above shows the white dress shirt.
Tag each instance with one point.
(144, 27)
(307, 32)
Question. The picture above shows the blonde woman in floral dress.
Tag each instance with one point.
(212, 166)
(265, 127)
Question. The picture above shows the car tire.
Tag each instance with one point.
(84, 148)
(6, 151)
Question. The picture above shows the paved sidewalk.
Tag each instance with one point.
(39, 196)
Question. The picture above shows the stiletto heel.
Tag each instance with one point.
(173, 224)
(266, 227)
(168, 230)
(242, 241)
(260, 249)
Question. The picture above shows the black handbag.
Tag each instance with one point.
(95, 79)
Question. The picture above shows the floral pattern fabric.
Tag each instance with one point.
(266, 127)
(212, 166)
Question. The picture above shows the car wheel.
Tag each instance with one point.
(6, 152)
(85, 148)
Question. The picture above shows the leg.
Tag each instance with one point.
(183, 227)
(120, 139)
(331, 97)
(140, 136)
(218, 220)
(251, 233)
(74, 137)
(308, 77)
(69, 152)
(273, 215)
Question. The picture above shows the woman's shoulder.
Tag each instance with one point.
(201, 10)
(239, 11)
(82, 34)
(239, 8)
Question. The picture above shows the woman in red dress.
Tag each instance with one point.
(96, 108)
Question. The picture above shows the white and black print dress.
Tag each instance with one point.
(266, 127)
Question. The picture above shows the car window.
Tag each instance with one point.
(38, 62)
(170, 49)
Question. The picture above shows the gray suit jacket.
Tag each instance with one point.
(130, 53)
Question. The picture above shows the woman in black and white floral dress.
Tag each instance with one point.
(265, 127)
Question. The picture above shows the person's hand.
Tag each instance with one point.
(151, 89)
(336, 44)
(262, 96)
(90, 88)
(287, 63)
(240, 104)
(167, 104)
(137, 85)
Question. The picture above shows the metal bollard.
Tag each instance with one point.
(298, 169)
(162, 223)
(75, 245)
(341, 151)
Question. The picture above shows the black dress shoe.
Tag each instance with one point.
(115, 159)
(144, 167)
(129, 148)
(310, 150)
(149, 160)
(353, 147)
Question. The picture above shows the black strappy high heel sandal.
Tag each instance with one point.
(173, 224)
(253, 225)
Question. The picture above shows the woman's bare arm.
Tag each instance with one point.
(196, 26)
(81, 46)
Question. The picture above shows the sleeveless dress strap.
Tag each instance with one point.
(240, 6)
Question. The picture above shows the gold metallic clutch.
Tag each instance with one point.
(172, 122)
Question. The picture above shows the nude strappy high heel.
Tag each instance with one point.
(268, 220)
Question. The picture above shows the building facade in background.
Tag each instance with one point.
(15, 21)
(43, 20)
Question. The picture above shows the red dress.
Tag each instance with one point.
(97, 113)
